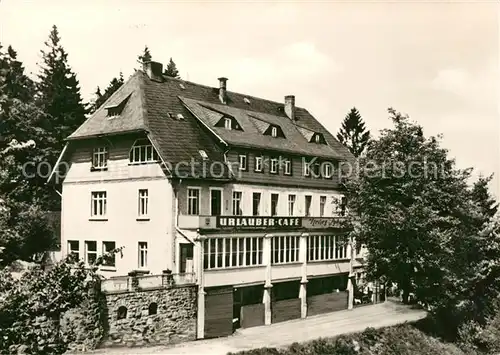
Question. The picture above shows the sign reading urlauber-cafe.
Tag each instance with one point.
(253, 222)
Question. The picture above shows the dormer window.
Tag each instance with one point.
(143, 152)
(318, 138)
(228, 123)
(116, 110)
(274, 131)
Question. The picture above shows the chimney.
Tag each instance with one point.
(290, 106)
(154, 70)
(222, 90)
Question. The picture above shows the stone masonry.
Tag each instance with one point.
(140, 317)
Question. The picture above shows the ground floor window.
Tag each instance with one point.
(232, 252)
(285, 249)
(326, 247)
(74, 249)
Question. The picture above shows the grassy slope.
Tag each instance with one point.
(403, 339)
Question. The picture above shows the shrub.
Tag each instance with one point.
(32, 310)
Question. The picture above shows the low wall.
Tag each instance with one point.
(157, 316)
(285, 310)
(252, 315)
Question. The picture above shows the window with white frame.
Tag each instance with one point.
(327, 170)
(274, 132)
(256, 203)
(143, 202)
(143, 255)
(285, 249)
(237, 195)
(326, 247)
(243, 162)
(228, 123)
(98, 202)
(307, 207)
(288, 166)
(307, 168)
(274, 204)
(259, 164)
(232, 252)
(99, 158)
(90, 252)
(322, 203)
(74, 249)
(109, 258)
(274, 165)
(291, 205)
(143, 152)
(193, 201)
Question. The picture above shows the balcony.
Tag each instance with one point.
(146, 282)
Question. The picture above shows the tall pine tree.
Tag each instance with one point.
(172, 70)
(58, 95)
(24, 231)
(101, 98)
(353, 133)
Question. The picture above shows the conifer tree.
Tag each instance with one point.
(58, 95)
(24, 231)
(101, 98)
(353, 133)
(482, 197)
(172, 70)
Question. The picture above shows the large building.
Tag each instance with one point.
(242, 194)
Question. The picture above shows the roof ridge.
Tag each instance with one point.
(230, 92)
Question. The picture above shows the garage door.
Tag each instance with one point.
(218, 312)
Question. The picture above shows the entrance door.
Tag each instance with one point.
(215, 202)
(186, 264)
(218, 312)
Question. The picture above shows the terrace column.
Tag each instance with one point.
(266, 259)
(201, 289)
(303, 281)
(350, 285)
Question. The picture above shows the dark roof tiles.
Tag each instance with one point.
(150, 103)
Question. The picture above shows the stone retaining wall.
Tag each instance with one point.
(159, 316)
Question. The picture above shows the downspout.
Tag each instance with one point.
(226, 161)
(176, 223)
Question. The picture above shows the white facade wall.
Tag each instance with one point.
(121, 224)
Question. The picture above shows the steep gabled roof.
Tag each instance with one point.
(153, 106)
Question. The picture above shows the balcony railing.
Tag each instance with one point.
(131, 283)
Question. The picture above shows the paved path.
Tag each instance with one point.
(281, 334)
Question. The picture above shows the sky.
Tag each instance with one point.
(438, 62)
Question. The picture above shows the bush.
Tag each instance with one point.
(32, 309)
(403, 339)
